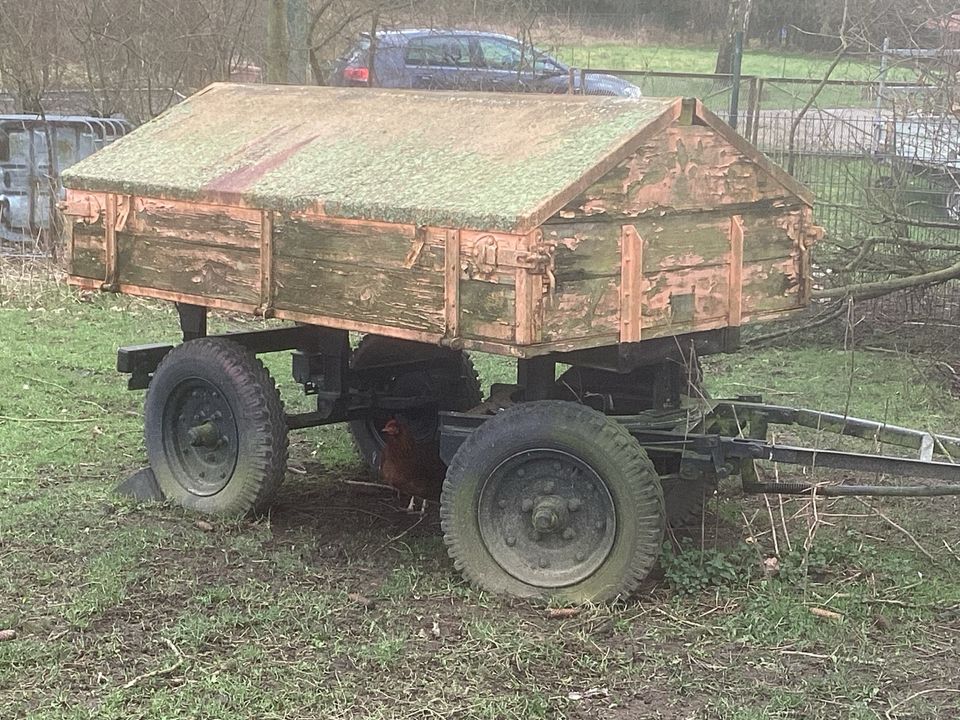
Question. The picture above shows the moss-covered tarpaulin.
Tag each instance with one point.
(480, 160)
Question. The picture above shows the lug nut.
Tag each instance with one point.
(549, 487)
(501, 504)
(581, 556)
(521, 472)
(574, 504)
(568, 534)
(544, 563)
(527, 505)
(511, 541)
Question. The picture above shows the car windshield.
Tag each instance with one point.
(499, 53)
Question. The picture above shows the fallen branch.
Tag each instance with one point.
(915, 695)
(898, 527)
(161, 671)
(870, 290)
(8, 418)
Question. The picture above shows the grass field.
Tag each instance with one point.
(765, 63)
(335, 605)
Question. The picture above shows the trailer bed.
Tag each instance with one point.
(520, 225)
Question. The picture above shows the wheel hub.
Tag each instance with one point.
(547, 518)
(200, 437)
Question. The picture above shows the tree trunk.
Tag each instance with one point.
(278, 46)
(738, 20)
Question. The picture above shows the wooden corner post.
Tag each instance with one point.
(451, 284)
(631, 283)
(266, 264)
(735, 279)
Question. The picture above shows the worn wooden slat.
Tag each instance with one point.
(734, 305)
(110, 243)
(201, 223)
(266, 264)
(451, 283)
(767, 235)
(388, 246)
(88, 257)
(291, 315)
(771, 285)
(201, 270)
(678, 297)
(583, 308)
(411, 299)
(487, 310)
(631, 284)
(684, 168)
(584, 249)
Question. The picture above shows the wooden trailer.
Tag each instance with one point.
(616, 236)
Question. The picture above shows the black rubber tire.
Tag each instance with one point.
(593, 439)
(251, 402)
(459, 393)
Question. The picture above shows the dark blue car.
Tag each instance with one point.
(464, 60)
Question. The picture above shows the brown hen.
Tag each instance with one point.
(411, 465)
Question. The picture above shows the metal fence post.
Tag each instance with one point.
(735, 71)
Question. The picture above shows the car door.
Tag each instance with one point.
(506, 66)
(439, 61)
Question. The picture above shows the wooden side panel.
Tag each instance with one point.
(585, 298)
(772, 262)
(86, 234)
(198, 223)
(360, 272)
(87, 255)
(487, 310)
(189, 248)
(189, 268)
(584, 249)
(582, 309)
(686, 167)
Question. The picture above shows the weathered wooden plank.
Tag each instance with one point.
(451, 283)
(110, 241)
(684, 296)
(767, 236)
(734, 287)
(685, 241)
(266, 262)
(771, 285)
(382, 245)
(223, 226)
(88, 256)
(167, 264)
(584, 249)
(487, 310)
(406, 298)
(682, 168)
(582, 308)
(632, 286)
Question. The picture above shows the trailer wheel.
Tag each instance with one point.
(449, 375)
(632, 393)
(552, 498)
(216, 433)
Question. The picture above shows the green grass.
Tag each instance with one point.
(762, 63)
(765, 63)
(336, 606)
